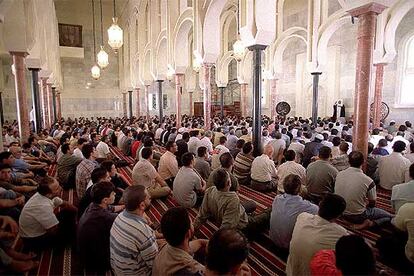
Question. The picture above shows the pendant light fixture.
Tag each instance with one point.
(95, 70)
(103, 59)
(115, 33)
(238, 47)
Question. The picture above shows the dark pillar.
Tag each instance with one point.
(315, 96)
(1, 109)
(54, 104)
(257, 97)
(222, 101)
(130, 103)
(36, 99)
(160, 100)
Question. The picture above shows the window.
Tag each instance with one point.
(152, 101)
(407, 74)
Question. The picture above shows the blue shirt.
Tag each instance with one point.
(20, 165)
(285, 209)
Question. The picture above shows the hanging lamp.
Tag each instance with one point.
(95, 70)
(238, 47)
(103, 58)
(115, 33)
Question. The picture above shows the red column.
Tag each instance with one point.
(273, 92)
(207, 96)
(44, 104)
(190, 95)
(138, 102)
(21, 98)
(124, 104)
(147, 114)
(58, 106)
(379, 80)
(49, 102)
(367, 18)
(243, 99)
(178, 91)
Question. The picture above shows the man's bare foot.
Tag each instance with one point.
(366, 224)
(20, 256)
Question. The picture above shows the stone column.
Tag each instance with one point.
(222, 101)
(21, 98)
(1, 137)
(130, 103)
(160, 107)
(190, 95)
(50, 103)
(1, 109)
(54, 104)
(178, 93)
(257, 98)
(243, 99)
(273, 92)
(379, 80)
(147, 114)
(138, 107)
(367, 19)
(44, 104)
(207, 95)
(58, 106)
(315, 90)
(36, 99)
(124, 104)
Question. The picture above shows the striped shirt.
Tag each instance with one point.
(133, 245)
(242, 165)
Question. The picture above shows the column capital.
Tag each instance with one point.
(159, 80)
(257, 47)
(208, 64)
(370, 7)
(316, 73)
(17, 53)
(34, 69)
(380, 64)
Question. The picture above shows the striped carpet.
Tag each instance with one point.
(264, 257)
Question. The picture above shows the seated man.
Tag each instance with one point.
(168, 165)
(78, 150)
(393, 169)
(133, 245)
(226, 162)
(263, 172)
(218, 151)
(188, 186)
(403, 193)
(320, 176)
(357, 188)
(145, 174)
(66, 168)
(93, 230)
(41, 226)
(7, 183)
(201, 165)
(227, 253)
(102, 149)
(85, 168)
(285, 209)
(243, 164)
(223, 206)
(313, 233)
(290, 167)
(175, 257)
(340, 162)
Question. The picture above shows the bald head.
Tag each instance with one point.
(268, 150)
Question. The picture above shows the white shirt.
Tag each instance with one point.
(410, 156)
(37, 216)
(158, 133)
(277, 144)
(263, 169)
(215, 159)
(78, 153)
(401, 194)
(297, 147)
(193, 144)
(400, 138)
(102, 149)
(289, 167)
(327, 143)
(393, 170)
(374, 139)
(205, 142)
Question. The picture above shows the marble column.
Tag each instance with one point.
(1, 109)
(367, 19)
(21, 98)
(58, 106)
(124, 104)
(257, 98)
(36, 99)
(44, 104)
(273, 92)
(160, 100)
(50, 103)
(190, 95)
(379, 80)
(207, 95)
(138, 107)
(147, 113)
(54, 104)
(222, 101)
(243, 99)
(130, 103)
(178, 93)
(315, 96)
(1, 137)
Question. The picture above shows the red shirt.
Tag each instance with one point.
(134, 148)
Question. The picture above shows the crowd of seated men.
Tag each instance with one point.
(316, 177)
